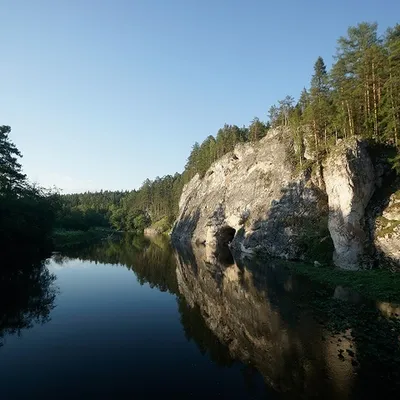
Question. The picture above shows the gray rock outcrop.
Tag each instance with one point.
(255, 200)
(387, 231)
(350, 183)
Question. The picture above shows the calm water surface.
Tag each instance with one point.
(137, 319)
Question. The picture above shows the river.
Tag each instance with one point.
(135, 319)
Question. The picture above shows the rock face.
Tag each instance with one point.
(387, 231)
(253, 198)
(350, 183)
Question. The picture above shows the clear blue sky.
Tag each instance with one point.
(105, 93)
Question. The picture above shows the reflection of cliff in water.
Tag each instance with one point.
(268, 319)
(27, 292)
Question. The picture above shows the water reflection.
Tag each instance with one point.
(27, 293)
(306, 340)
(286, 334)
(152, 261)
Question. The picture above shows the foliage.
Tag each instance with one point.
(162, 226)
(359, 96)
(375, 284)
(27, 212)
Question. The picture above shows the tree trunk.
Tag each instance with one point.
(350, 118)
(394, 114)
(375, 101)
(344, 125)
(367, 103)
(315, 137)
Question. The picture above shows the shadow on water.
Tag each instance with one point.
(27, 292)
(305, 339)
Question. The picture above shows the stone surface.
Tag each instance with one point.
(255, 191)
(254, 200)
(350, 183)
(387, 231)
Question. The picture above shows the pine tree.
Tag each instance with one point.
(304, 101)
(273, 115)
(359, 62)
(319, 105)
(257, 130)
(12, 180)
(391, 89)
(285, 107)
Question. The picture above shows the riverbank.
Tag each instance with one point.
(69, 238)
(377, 284)
(161, 227)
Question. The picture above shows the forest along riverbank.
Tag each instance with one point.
(244, 328)
(69, 238)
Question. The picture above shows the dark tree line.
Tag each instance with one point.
(127, 211)
(27, 212)
(86, 210)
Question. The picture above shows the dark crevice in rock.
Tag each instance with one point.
(225, 236)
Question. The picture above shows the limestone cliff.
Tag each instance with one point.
(387, 231)
(256, 200)
(350, 182)
(253, 198)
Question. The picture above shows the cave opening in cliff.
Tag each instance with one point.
(225, 236)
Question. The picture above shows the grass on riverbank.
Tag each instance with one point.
(68, 238)
(376, 284)
(163, 226)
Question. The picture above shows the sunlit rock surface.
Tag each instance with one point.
(259, 203)
(387, 231)
(254, 198)
(350, 183)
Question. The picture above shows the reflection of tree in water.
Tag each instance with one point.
(152, 260)
(27, 292)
